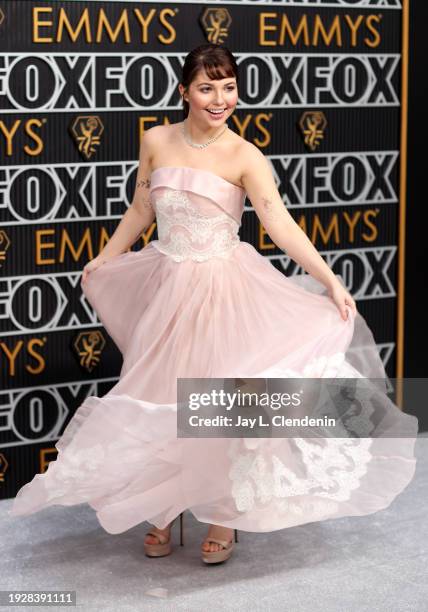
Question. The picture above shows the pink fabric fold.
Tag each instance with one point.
(223, 194)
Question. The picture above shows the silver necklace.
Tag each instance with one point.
(196, 145)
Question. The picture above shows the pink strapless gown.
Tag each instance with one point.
(199, 302)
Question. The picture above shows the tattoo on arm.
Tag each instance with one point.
(269, 208)
(145, 201)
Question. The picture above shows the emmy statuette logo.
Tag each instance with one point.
(312, 125)
(86, 132)
(216, 23)
(3, 466)
(89, 346)
(4, 245)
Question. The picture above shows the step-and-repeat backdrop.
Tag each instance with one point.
(320, 94)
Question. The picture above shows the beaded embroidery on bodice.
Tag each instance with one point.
(197, 213)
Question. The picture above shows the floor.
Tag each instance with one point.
(373, 563)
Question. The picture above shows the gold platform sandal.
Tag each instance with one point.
(164, 547)
(218, 556)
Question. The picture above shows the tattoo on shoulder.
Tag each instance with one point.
(269, 208)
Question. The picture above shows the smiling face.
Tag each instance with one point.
(205, 96)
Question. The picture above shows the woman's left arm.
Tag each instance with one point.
(263, 194)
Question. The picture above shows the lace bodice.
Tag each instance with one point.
(198, 213)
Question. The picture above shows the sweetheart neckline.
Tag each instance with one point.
(198, 170)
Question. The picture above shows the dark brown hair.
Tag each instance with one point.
(217, 61)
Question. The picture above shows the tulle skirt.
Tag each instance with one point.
(221, 318)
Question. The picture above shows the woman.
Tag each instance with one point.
(198, 302)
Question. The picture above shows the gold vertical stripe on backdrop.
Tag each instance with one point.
(402, 203)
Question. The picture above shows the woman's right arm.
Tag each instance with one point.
(140, 214)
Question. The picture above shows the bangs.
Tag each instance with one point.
(216, 72)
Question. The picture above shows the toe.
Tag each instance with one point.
(152, 540)
(210, 546)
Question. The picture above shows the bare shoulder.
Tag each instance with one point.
(250, 153)
(155, 139)
(251, 159)
(155, 134)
